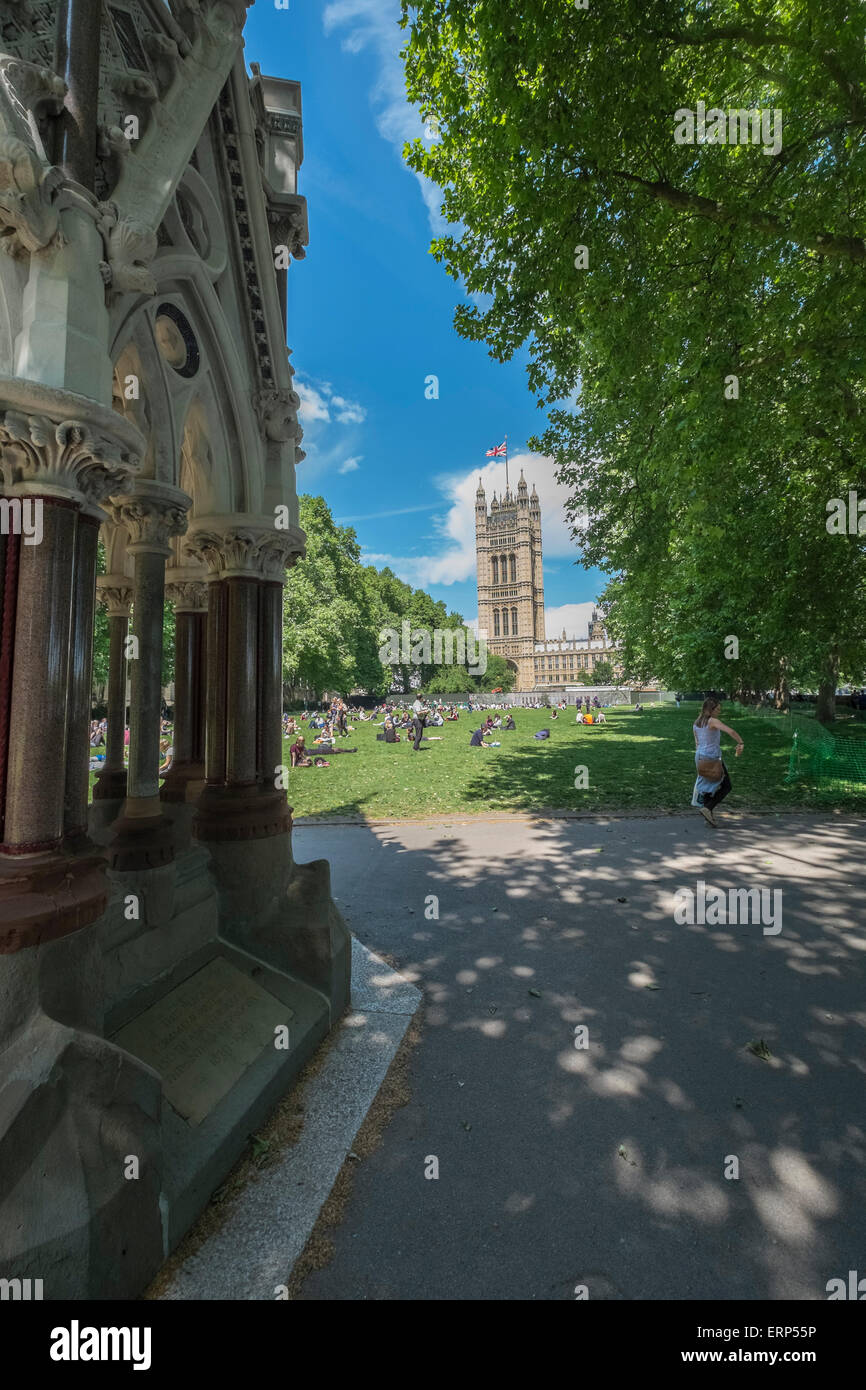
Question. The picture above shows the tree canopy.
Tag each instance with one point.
(693, 313)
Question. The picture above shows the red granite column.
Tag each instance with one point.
(80, 682)
(241, 670)
(185, 777)
(35, 785)
(240, 800)
(117, 596)
(270, 681)
(51, 876)
(152, 515)
(215, 714)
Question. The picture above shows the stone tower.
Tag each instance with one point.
(510, 580)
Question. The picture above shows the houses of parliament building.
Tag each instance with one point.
(508, 549)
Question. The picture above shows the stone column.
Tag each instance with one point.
(241, 672)
(51, 881)
(35, 787)
(245, 563)
(270, 681)
(152, 515)
(116, 592)
(185, 778)
(80, 680)
(274, 909)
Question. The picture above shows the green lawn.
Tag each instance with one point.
(636, 761)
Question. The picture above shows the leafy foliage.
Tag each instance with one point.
(704, 499)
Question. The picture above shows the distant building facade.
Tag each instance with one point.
(508, 552)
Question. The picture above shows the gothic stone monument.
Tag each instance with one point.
(166, 968)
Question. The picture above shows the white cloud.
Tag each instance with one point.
(321, 411)
(574, 617)
(348, 412)
(455, 562)
(318, 400)
(374, 24)
(314, 405)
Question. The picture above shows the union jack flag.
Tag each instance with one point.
(499, 451)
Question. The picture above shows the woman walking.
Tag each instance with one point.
(713, 783)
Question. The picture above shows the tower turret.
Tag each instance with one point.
(480, 506)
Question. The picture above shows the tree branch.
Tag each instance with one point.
(844, 248)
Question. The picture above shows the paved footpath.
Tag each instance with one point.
(605, 1165)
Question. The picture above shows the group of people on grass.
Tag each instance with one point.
(712, 782)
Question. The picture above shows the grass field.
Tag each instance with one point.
(635, 762)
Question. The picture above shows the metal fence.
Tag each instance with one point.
(831, 761)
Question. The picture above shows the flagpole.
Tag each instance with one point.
(506, 463)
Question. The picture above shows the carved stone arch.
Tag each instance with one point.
(222, 378)
(134, 353)
(203, 466)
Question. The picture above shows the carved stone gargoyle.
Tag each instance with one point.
(29, 220)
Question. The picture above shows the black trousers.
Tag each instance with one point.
(712, 799)
(418, 726)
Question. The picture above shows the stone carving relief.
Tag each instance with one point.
(277, 411)
(130, 247)
(260, 553)
(29, 219)
(150, 521)
(69, 456)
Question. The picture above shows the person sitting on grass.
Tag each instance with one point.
(298, 753)
(477, 739)
(166, 752)
(509, 723)
(391, 735)
(599, 718)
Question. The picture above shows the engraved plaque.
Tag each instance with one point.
(204, 1034)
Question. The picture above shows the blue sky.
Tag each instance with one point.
(370, 319)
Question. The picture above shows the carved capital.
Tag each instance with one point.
(188, 595)
(63, 457)
(152, 515)
(115, 591)
(251, 551)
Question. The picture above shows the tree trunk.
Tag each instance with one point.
(826, 708)
(782, 692)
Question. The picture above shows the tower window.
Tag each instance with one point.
(496, 622)
(514, 569)
(505, 622)
(495, 570)
(514, 622)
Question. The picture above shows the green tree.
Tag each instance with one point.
(328, 619)
(712, 326)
